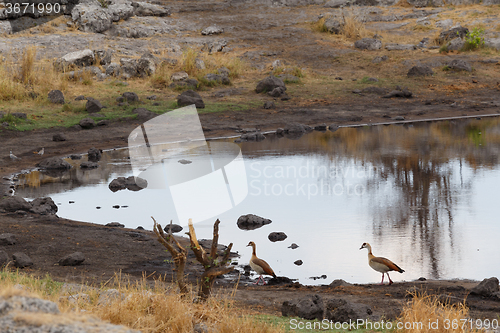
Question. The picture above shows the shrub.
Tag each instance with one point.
(474, 39)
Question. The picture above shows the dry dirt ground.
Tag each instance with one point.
(110, 250)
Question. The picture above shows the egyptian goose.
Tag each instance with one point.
(259, 265)
(381, 264)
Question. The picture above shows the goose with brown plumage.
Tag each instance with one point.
(381, 264)
(259, 265)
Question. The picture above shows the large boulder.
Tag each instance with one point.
(53, 163)
(222, 79)
(43, 206)
(368, 44)
(128, 68)
(251, 222)
(309, 307)
(146, 65)
(460, 65)
(12, 204)
(269, 84)
(277, 236)
(189, 97)
(92, 18)
(486, 288)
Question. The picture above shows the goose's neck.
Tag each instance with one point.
(370, 254)
(253, 250)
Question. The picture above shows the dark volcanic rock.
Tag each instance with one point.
(87, 123)
(53, 163)
(174, 227)
(94, 154)
(130, 97)
(293, 246)
(251, 222)
(404, 93)
(7, 239)
(487, 287)
(59, 137)
(189, 97)
(269, 84)
(115, 225)
(44, 206)
(12, 204)
(21, 260)
(269, 105)
(73, 259)
(89, 165)
(4, 258)
(143, 113)
(56, 96)
(368, 44)
(309, 307)
(93, 105)
(453, 33)
(340, 310)
(257, 136)
(460, 65)
(298, 262)
(420, 71)
(277, 236)
(129, 183)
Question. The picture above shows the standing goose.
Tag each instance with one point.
(381, 264)
(259, 265)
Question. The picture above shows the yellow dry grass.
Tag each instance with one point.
(149, 307)
(423, 310)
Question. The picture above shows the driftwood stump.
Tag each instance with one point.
(179, 254)
(212, 265)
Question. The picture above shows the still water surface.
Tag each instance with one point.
(426, 196)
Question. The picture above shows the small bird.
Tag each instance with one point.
(13, 157)
(40, 152)
(259, 265)
(381, 264)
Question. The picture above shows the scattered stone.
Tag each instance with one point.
(374, 90)
(251, 222)
(20, 115)
(115, 225)
(333, 128)
(339, 283)
(453, 33)
(461, 65)
(43, 206)
(222, 79)
(405, 93)
(420, 71)
(199, 63)
(399, 118)
(298, 262)
(143, 113)
(93, 105)
(486, 288)
(309, 307)
(321, 128)
(179, 76)
(333, 25)
(269, 105)
(59, 137)
(7, 239)
(257, 136)
(53, 163)
(215, 46)
(149, 9)
(277, 236)
(368, 44)
(399, 47)
(130, 183)
(174, 227)
(75, 156)
(212, 30)
(79, 98)
(269, 84)
(128, 68)
(493, 43)
(94, 154)
(444, 23)
(21, 260)
(56, 96)
(14, 203)
(73, 259)
(297, 128)
(293, 246)
(113, 69)
(379, 59)
(277, 92)
(103, 122)
(87, 123)
(189, 97)
(4, 258)
(151, 98)
(89, 165)
(83, 58)
(130, 97)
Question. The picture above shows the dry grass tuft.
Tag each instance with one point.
(354, 28)
(319, 25)
(427, 309)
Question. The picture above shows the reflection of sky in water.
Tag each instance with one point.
(439, 222)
